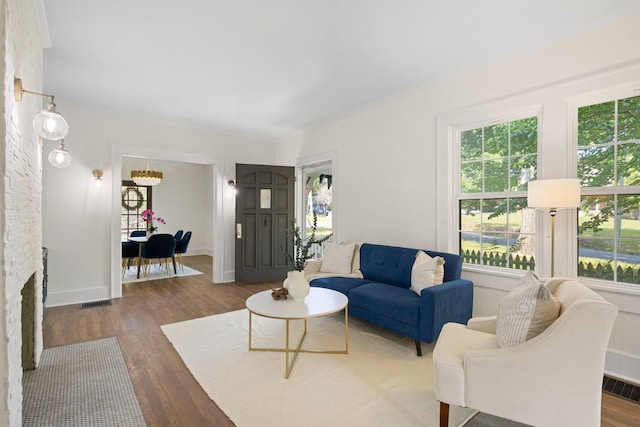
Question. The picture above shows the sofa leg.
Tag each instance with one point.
(444, 414)
(418, 347)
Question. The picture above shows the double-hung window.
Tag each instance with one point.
(608, 164)
(496, 162)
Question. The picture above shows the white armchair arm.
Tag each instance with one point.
(483, 324)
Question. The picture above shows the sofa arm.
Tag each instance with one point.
(483, 324)
(448, 302)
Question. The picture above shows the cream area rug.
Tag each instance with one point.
(157, 273)
(381, 382)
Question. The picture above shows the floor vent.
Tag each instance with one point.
(93, 304)
(621, 388)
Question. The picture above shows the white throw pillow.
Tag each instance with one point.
(426, 271)
(355, 264)
(526, 311)
(337, 258)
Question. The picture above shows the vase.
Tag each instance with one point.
(149, 233)
(297, 285)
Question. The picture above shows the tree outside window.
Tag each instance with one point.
(608, 163)
(496, 163)
(318, 201)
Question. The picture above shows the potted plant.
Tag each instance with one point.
(148, 216)
(296, 284)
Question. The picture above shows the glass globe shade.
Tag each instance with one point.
(50, 125)
(60, 158)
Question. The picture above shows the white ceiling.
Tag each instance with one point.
(269, 68)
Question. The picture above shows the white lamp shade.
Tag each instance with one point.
(60, 158)
(50, 125)
(554, 193)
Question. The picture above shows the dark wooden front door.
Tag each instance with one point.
(264, 212)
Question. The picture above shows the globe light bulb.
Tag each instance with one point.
(50, 125)
(60, 157)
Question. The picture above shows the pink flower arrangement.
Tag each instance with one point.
(148, 216)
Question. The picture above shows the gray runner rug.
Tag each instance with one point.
(85, 384)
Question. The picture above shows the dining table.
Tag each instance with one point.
(140, 240)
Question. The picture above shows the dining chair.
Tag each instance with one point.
(178, 235)
(160, 247)
(129, 253)
(138, 233)
(181, 247)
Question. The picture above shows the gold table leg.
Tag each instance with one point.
(287, 349)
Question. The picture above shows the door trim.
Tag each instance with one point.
(218, 234)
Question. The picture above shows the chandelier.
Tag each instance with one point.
(146, 177)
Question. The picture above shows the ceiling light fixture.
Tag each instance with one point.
(49, 124)
(146, 177)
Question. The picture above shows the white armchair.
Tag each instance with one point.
(553, 379)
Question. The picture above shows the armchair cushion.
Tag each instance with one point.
(526, 311)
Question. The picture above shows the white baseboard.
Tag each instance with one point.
(199, 251)
(623, 366)
(229, 276)
(55, 299)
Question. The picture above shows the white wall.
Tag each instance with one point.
(81, 223)
(394, 169)
(183, 199)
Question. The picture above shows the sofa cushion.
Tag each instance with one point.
(337, 258)
(340, 284)
(389, 301)
(526, 311)
(387, 264)
(392, 265)
(426, 272)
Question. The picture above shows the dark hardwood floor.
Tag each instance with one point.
(168, 394)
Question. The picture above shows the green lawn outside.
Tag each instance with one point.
(323, 225)
(630, 244)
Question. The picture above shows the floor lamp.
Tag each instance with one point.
(551, 195)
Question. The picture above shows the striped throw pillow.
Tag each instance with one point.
(526, 311)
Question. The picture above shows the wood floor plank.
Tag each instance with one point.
(167, 392)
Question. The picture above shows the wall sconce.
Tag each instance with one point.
(232, 185)
(97, 175)
(49, 124)
(60, 157)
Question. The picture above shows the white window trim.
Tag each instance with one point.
(449, 128)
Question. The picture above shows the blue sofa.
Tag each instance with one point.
(383, 296)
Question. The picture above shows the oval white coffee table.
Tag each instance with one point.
(320, 302)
